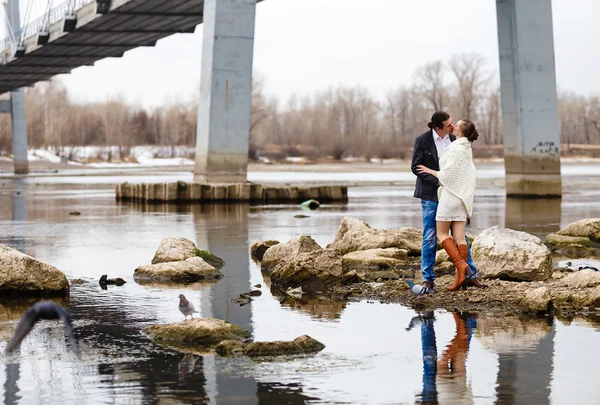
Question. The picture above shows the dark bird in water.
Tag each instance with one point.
(42, 310)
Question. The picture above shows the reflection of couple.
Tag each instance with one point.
(443, 163)
(451, 367)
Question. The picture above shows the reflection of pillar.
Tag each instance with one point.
(524, 378)
(537, 216)
(19, 206)
(223, 230)
(11, 385)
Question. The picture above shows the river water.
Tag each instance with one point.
(375, 353)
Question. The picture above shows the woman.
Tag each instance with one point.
(457, 180)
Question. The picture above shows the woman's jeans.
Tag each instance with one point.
(429, 247)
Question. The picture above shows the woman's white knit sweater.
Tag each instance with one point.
(457, 172)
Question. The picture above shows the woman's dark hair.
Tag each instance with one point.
(467, 129)
(437, 119)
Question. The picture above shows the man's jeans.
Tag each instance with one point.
(429, 247)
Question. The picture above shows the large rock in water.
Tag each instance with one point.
(313, 271)
(372, 264)
(578, 239)
(175, 250)
(187, 271)
(180, 261)
(197, 332)
(288, 250)
(22, 274)
(511, 255)
(302, 344)
(354, 234)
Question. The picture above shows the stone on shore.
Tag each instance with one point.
(258, 248)
(354, 234)
(197, 332)
(578, 239)
(538, 300)
(288, 250)
(314, 271)
(511, 255)
(23, 274)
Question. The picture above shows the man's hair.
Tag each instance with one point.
(437, 119)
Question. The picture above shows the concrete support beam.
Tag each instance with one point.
(529, 100)
(17, 101)
(222, 134)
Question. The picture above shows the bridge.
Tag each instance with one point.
(80, 32)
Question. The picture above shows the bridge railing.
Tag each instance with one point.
(41, 24)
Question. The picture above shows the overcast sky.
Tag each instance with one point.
(302, 46)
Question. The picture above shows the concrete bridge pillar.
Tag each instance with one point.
(17, 102)
(529, 99)
(222, 134)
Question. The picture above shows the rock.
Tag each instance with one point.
(376, 259)
(174, 250)
(444, 268)
(511, 255)
(111, 281)
(562, 240)
(209, 258)
(22, 274)
(538, 300)
(230, 348)
(441, 256)
(369, 265)
(593, 299)
(354, 235)
(301, 216)
(196, 332)
(257, 286)
(253, 293)
(589, 228)
(302, 344)
(258, 248)
(288, 250)
(581, 279)
(75, 213)
(314, 271)
(77, 281)
(187, 271)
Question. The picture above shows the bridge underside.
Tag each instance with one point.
(128, 24)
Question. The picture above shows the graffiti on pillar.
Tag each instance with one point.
(546, 148)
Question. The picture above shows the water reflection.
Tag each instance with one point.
(525, 348)
(368, 349)
(450, 369)
(537, 216)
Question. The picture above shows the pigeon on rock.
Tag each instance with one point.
(186, 307)
(42, 310)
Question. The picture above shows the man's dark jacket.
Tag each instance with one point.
(425, 154)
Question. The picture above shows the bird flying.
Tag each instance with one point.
(42, 310)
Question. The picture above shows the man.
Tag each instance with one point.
(429, 148)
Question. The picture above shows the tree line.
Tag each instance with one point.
(338, 121)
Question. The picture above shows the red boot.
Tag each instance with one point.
(461, 266)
